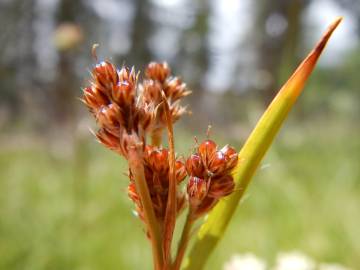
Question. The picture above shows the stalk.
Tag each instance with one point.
(184, 240)
(156, 137)
(170, 214)
(136, 165)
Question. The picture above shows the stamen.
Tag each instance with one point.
(93, 51)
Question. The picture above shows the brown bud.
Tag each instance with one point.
(109, 140)
(146, 116)
(206, 150)
(94, 99)
(123, 94)
(217, 164)
(105, 75)
(210, 180)
(128, 75)
(109, 116)
(151, 91)
(157, 71)
(194, 166)
(157, 158)
(231, 157)
(176, 111)
(175, 89)
(221, 187)
(197, 190)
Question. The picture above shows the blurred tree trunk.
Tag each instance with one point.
(63, 94)
(193, 59)
(16, 56)
(279, 34)
(194, 51)
(142, 26)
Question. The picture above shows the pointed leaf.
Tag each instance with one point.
(252, 153)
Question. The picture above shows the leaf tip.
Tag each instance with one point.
(321, 45)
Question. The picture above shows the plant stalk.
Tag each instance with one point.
(135, 158)
(156, 137)
(170, 214)
(184, 240)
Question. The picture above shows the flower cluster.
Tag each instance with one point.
(210, 179)
(158, 82)
(128, 112)
(121, 115)
(125, 109)
(156, 165)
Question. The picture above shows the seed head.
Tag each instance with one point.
(156, 166)
(158, 82)
(194, 165)
(111, 97)
(197, 189)
(157, 71)
(210, 179)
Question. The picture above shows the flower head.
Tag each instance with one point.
(156, 166)
(112, 99)
(158, 82)
(210, 176)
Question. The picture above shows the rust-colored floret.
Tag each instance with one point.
(156, 164)
(112, 99)
(210, 178)
(159, 82)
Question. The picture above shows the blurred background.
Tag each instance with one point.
(63, 202)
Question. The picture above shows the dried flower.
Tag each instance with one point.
(127, 112)
(158, 81)
(119, 112)
(156, 165)
(210, 179)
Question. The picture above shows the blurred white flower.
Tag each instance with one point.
(294, 261)
(245, 261)
(332, 266)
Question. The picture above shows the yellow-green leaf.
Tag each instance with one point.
(252, 153)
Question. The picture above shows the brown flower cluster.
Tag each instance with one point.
(210, 176)
(159, 84)
(127, 112)
(156, 165)
(121, 115)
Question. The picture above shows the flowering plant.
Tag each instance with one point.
(132, 117)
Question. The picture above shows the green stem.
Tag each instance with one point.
(184, 240)
(135, 158)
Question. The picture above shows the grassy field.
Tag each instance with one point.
(73, 213)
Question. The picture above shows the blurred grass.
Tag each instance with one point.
(73, 213)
